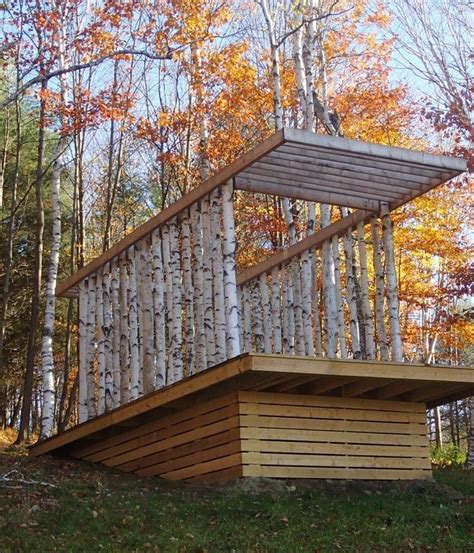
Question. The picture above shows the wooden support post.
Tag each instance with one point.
(83, 353)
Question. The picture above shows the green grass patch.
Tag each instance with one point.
(92, 509)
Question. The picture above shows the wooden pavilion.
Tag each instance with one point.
(189, 369)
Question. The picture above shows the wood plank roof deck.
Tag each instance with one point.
(308, 166)
(429, 384)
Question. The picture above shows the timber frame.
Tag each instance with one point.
(189, 369)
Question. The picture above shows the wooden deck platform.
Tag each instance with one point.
(277, 416)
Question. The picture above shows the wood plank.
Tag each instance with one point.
(262, 421)
(218, 476)
(336, 473)
(280, 187)
(305, 460)
(192, 459)
(361, 386)
(326, 401)
(336, 413)
(270, 381)
(167, 431)
(293, 383)
(334, 449)
(396, 388)
(204, 468)
(298, 435)
(182, 450)
(328, 384)
(361, 368)
(173, 441)
(167, 214)
(153, 425)
(455, 396)
(429, 393)
(313, 241)
(177, 391)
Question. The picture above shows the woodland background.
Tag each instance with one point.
(103, 105)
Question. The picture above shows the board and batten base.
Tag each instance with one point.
(275, 435)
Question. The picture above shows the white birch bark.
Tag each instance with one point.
(314, 274)
(230, 272)
(329, 295)
(207, 275)
(297, 306)
(218, 276)
(306, 279)
(309, 47)
(83, 300)
(91, 323)
(108, 379)
(147, 317)
(115, 286)
(177, 337)
(351, 294)
(266, 312)
(392, 286)
(125, 361)
(339, 301)
(381, 335)
(159, 311)
(140, 314)
(276, 311)
(135, 384)
(364, 288)
(240, 308)
(100, 341)
(298, 60)
(284, 314)
(168, 280)
(188, 290)
(198, 281)
(247, 293)
(290, 310)
(257, 318)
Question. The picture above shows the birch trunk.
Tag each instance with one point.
(135, 384)
(314, 274)
(351, 294)
(276, 311)
(147, 317)
(247, 318)
(284, 315)
(100, 342)
(207, 275)
(198, 281)
(329, 295)
(91, 322)
(380, 333)
(266, 312)
(125, 361)
(392, 287)
(290, 310)
(257, 317)
(165, 241)
(109, 384)
(230, 272)
(116, 320)
(140, 314)
(364, 285)
(177, 337)
(218, 277)
(339, 302)
(306, 302)
(188, 289)
(83, 354)
(159, 308)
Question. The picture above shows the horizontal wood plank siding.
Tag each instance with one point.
(295, 436)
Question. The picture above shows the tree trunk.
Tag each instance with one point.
(379, 292)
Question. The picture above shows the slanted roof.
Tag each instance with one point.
(344, 172)
(308, 166)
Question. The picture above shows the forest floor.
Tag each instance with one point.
(51, 504)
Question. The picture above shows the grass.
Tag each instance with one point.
(93, 509)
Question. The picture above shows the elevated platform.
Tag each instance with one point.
(277, 416)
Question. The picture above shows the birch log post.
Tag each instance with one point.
(314, 276)
(339, 301)
(91, 343)
(207, 275)
(146, 295)
(257, 319)
(125, 361)
(276, 311)
(168, 280)
(100, 341)
(230, 272)
(198, 281)
(329, 296)
(290, 311)
(116, 320)
(188, 295)
(108, 380)
(218, 276)
(247, 317)
(140, 313)
(297, 306)
(83, 354)
(159, 311)
(364, 289)
(133, 314)
(380, 332)
(306, 279)
(266, 312)
(177, 337)
(392, 286)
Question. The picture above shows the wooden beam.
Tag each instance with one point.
(395, 388)
(361, 386)
(281, 187)
(183, 203)
(312, 241)
(328, 384)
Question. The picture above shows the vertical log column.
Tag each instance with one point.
(83, 354)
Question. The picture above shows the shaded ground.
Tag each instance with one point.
(61, 505)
